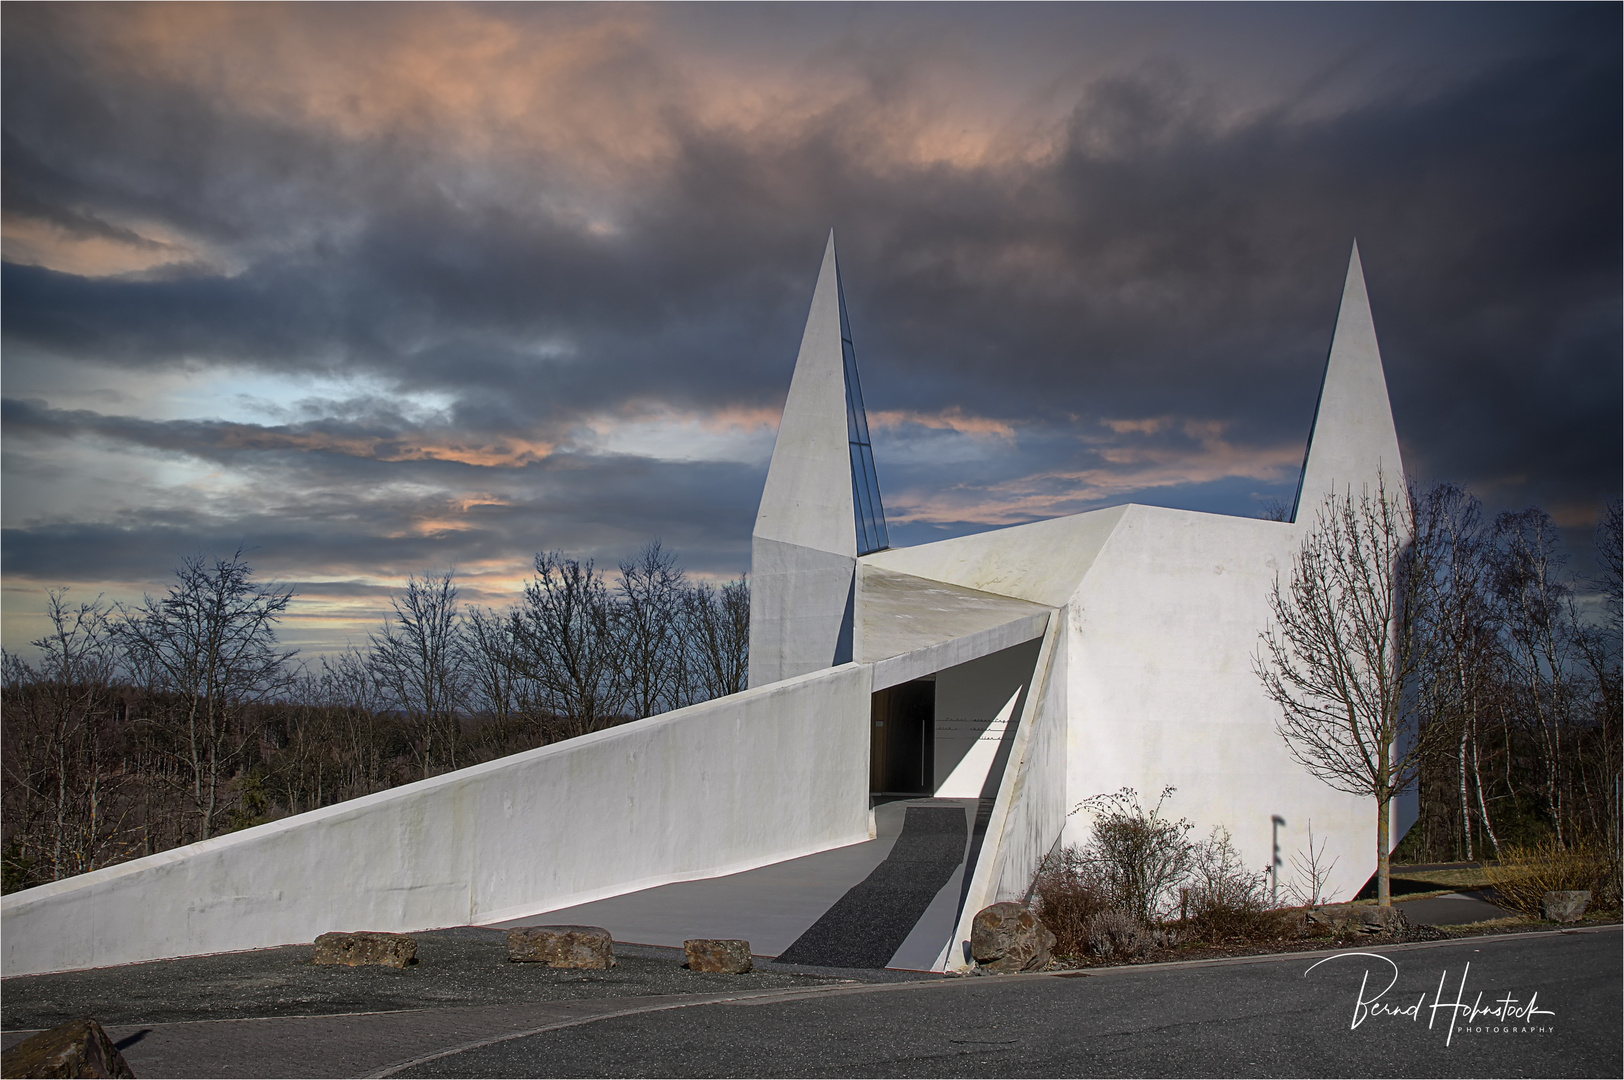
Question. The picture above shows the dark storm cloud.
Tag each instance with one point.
(641, 238)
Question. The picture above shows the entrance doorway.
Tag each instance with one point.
(902, 737)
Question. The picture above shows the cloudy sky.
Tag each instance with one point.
(375, 289)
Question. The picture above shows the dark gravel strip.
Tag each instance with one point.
(866, 927)
(462, 966)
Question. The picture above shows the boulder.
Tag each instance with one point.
(1007, 937)
(1362, 919)
(727, 956)
(1565, 906)
(365, 948)
(77, 1048)
(588, 947)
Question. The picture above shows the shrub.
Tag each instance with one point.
(1138, 857)
(1068, 896)
(1224, 900)
(1526, 872)
(1312, 872)
(1118, 935)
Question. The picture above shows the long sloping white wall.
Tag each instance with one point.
(1030, 808)
(1038, 797)
(753, 778)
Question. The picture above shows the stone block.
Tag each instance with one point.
(1007, 937)
(365, 948)
(1567, 905)
(727, 956)
(588, 947)
(1362, 919)
(79, 1048)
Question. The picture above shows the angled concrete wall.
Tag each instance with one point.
(803, 555)
(1161, 690)
(801, 609)
(742, 781)
(1029, 810)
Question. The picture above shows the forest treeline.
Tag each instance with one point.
(143, 727)
(1518, 684)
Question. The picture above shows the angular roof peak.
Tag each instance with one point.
(1353, 437)
(822, 491)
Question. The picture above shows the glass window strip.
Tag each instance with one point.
(868, 509)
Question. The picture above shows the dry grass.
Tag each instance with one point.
(1526, 872)
(1455, 880)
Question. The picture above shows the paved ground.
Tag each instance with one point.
(1452, 909)
(773, 906)
(466, 1012)
(272, 1013)
(1273, 1017)
(464, 967)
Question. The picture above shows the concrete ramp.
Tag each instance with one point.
(890, 902)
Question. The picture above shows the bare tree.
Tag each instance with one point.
(1535, 605)
(650, 593)
(209, 647)
(495, 678)
(1313, 871)
(417, 661)
(1342, 658)
(349, 687)
(60, 751)
(716, 637)
(1459, 674)
(565, 630)
(1598, 751)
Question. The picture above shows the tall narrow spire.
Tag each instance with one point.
(821, 506)
(1353, 438)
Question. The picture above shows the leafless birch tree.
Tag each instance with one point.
(1535, 601)
(1458, 674)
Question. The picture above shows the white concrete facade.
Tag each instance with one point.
(803, 552)
(1072, 657)
(1152, 680)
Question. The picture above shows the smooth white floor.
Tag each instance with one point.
(773, 905)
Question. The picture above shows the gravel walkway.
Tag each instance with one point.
(465, 966)
(866, 927)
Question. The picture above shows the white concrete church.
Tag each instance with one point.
(1015, 672)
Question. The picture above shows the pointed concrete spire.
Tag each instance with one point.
(1353, 436)
(808, 497)
(820, 508)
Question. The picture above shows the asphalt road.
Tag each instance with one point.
(1273, 1017)
(1259, 1016)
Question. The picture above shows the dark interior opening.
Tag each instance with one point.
(902, 739)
